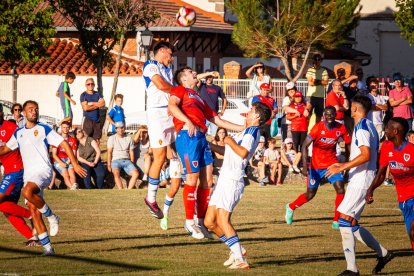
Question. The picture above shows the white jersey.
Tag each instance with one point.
(376, 115)
(156, 97)
(233, 165)
(364, 134)
(33, 144)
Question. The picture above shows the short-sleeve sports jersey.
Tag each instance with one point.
(364, 134)
(117, 115)
(401, 162)
(193, 106)
(33, 144)
(269, 101)
(62, 90)
(299, 123)
(155, 96)
(324, 143)
(61, 153)
(12, 161)
(233, 165)
(333, 99)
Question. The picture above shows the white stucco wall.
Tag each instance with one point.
(376, 6)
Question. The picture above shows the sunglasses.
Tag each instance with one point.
(17, 109)
(88, 84)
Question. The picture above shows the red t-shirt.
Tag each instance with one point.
(193, 106)
(269, 101)
(324, 143)
(333, 99)
(401, 163)
(299, 123)
(12, 162)
(61, 151)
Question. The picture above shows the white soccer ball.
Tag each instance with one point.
(186, 16)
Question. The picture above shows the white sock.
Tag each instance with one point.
(348, 244)
(45, 210)
(44, 239)
(234, 244)
(364, 236)
(153, 184)
(189, 222)
(167, 204)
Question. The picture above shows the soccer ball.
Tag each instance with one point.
(186, 16)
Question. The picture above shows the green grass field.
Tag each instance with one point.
(111, 232)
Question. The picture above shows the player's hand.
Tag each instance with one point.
(369, 198)
(192, 130)
(79, 170)
(333, 169)
(305, 171)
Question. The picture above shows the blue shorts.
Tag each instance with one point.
(59, 168)
(315, 177)
(11, 185)
(194, 151)
(407, 208)
(124, 164)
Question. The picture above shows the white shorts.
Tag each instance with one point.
(227, 194)
(41, 179)
(354, 200)
(161, 130)
(175, 168)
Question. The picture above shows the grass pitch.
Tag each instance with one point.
(111, 232)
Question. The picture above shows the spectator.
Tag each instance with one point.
(299, 120)
(256, 161)
(17, 116)
(290, 157)
(142, 151)
(65, 98)
(379, 104)
(121, 156)
(361, 84)
(219, 140)
(116, 114)
(210, 93)
(61, 160)
(411, 136)
(91, 101)
(258, 73)
(338, 99)
(318, 78)
(400, 99)
(89, 156)
(341, 76)
(272, 160)
(264, 97)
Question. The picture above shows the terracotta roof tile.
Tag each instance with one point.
(65, 56)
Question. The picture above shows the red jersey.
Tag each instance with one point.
(269, 101)
(12, 162)
(193, 106)
(324, 143)
(401, 163)
(333, 99)
(61, 151)
(299, 123)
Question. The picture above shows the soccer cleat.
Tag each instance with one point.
(205, 232)
(296, 169)
(387, 182)
(53, 225)
(194, 231)
(164, 223)
(154, 209)
(239, 264)
(348, 273)
(49, 253)
(382, 261)
(230, 260)
(289, 215)
(335, 225)
(33, 243)
(265, 179)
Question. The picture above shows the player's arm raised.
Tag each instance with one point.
(161, 84)
(378, 180)
(362, 158)
(76, 167)
(227, 125)
(239, 150)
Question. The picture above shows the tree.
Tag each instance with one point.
(25, 32)
(404, 18)
(289, 29)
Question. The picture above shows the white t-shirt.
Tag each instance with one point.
(272, 155)
(376, 115)
(286, 102)
(233, 165)
(156, 97)
(364, 134)
(33, 144)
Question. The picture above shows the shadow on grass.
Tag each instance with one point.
(79, 259)
(276, 239)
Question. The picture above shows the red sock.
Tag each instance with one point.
(203, 197)
(13, 209)
(338, 200)
(21, 226)
(189, 201)
(298, 202)
(412, 245)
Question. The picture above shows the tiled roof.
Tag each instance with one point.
(206, 21)
(65, 56)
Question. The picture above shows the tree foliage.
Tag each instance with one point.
(25, 31)
(288, 29)
(404, 18)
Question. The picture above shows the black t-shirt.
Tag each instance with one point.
(211, 93)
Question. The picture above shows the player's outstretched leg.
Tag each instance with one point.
(175, 173)
(340, 194)
(302, 199)
(189, 205)
(40, 227)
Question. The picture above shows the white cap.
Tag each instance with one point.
(119, 124)
(262, 139)
(288, 140)
(290, 85)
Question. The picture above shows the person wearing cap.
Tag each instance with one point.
(338, 99)
(400, 99)
(257, 73)
(318, 78)
(299, 120)
(211, 93)
(264, 97)
(290, 157)
(121, 156)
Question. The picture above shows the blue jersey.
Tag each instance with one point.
(117, 115)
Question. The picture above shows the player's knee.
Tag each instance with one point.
(26, 192)
(209, 223)
(339, 187)
(310, 194)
